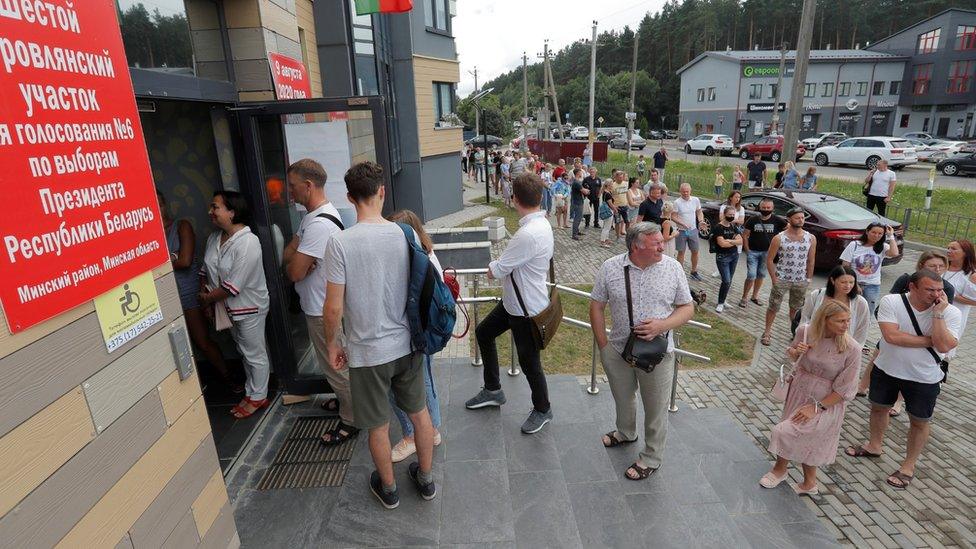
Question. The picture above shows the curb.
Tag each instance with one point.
(918, 246)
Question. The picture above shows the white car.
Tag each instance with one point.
(815, 141)
(867, 151)
(917, 135)
(710, 143)
(580, 132)
(949, 147)
(926, 152)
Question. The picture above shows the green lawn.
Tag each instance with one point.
(571, 349)
(511, 217)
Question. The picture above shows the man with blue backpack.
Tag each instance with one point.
(522, 269)
(383, 346)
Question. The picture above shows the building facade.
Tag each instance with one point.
(919, 79)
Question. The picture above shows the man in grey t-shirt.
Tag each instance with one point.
(373, 256)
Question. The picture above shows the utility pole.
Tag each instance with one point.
(589, 142)
(555, 100)
(793, 112)
(779, 88)
(523, 146)
(477, 118)
(633, 90)
(545, 89)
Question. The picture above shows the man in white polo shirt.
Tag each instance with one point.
(911, 363)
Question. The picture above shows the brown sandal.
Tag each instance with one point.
(642, 472)
(903, 480)
(860, 451)
(614, 441)
(766, 339)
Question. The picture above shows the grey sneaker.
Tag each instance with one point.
(486, 398)
(536, 421)
(696, 276)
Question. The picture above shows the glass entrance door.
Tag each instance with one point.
(337, 133)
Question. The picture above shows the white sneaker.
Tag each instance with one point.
(437, 438)
(403, 450)
(716, 274)
(720, 307)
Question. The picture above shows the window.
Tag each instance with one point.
(920, 83)
(961, 76)
(844, 90)
(904, 121)
(772, 91)
(443, 104)
(711, 94)
(925, 125)
(828, 89)
(895, 87)
(862, 88)
(878, 88)
(436, 15)
(809, 90)
(701, 94)
(755, 91)
(929, 42)
(965, 37)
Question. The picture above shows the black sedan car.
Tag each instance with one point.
(958, 164)
(833, 220)
(479, 141)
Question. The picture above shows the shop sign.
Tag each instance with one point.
(852, 104)
(745, 123)
(885, 104)
(854, 117)
(126, 311)
(761, 71)
(812, 107)
(290, 77)
(81, 215)
(764, 107)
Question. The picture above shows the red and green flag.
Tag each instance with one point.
(364, 7)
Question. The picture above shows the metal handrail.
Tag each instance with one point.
(592, 389)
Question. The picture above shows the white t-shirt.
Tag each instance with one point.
(865, 261)
(880, 181)
(314, 234)
(685, 210)
(911, 363)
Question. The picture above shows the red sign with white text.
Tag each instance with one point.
(290, 77)
(81, 215)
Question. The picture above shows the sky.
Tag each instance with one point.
(492, 35)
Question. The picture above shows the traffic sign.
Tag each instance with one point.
(600, 120)
(525, 119)
(630, 115)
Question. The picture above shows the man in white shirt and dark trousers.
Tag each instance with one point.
(882, 187)
(910, 363)
(525, 264)
(303, 260)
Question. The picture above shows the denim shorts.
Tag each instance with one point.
(919, 397)
(755, 265)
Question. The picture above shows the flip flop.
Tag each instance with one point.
(860, 451)
(756, 301)
(331, 405)
(903, 480)
(766, 339)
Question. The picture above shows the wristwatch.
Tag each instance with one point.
(939, 316)
(819, 405)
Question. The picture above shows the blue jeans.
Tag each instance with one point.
(433, 406)
(755, 265)
(726, 263)
(576, 215)
(871, 292)
(547, 199)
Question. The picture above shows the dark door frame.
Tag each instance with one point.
(280, 346)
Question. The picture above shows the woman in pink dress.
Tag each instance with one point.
(824, 381)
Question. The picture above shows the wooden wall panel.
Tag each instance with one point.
(426, 71)
(53, 508)
(306, 21)
(42, 372)
(223, 532)
(12, 342)
(116, 387)
(183, 536)
(122, 505)
(155, 524)
(279, 20)
(242, 13)
(39, 446)
(178, 395)
(208, 504)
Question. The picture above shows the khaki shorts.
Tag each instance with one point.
(797, 290)
(371, 388)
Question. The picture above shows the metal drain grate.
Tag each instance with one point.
(304, 462)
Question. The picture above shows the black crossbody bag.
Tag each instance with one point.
(638, 352)
(943, 363)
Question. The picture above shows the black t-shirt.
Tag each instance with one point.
(761, 232)
(593, 184)
(727, 233)
(576, 192)
(779, 178)
(756, 170)
(660, 160)
(651, 211)
(607, 197)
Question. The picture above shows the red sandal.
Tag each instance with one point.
(249, 407)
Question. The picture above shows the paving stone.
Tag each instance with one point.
(542, 509)
(476, 505)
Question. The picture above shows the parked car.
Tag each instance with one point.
(867, 151)
(770, 147)
(636, 142)
(710, 143)
(818, 140)
(949, 147)
(607, 136)
(655, 135)
(958, 164)
(580, 132)
(479, 141)
(670, 134)
(917, 135)
(926, 152)
(833, 220)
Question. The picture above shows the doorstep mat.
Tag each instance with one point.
(304, 462)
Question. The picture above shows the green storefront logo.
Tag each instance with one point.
(750, 71)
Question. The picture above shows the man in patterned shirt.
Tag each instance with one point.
(792, 271)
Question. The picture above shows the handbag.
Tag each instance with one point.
(451, 281)
(605, 211)
(781, 387)
(544, 324)
(221, 317)
(587, 208)
(943, 363)
(638, 352)
(866, 188)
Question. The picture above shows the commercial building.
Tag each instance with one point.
(918, 79)
(130, 446)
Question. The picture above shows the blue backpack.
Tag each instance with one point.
(431, 310)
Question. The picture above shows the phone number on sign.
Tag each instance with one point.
(130, 334)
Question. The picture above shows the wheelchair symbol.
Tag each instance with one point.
(130, 301)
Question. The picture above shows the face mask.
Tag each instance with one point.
(727, 218)
(766, 213)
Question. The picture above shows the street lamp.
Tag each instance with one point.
(480, 116)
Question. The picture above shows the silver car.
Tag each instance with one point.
(636, 142)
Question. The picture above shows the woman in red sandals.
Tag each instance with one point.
(233, 277)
